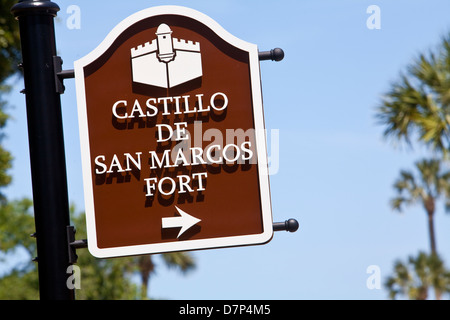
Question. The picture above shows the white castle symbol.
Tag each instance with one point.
(166, 62)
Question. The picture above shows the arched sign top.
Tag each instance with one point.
(172, 137)
(159, 11)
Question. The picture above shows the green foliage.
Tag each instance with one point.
(426, 187)
(19, 285)
(16, 221)
(417, 107)
(179, 260)
(9, 41)
(9, 58)
(418, 104)
(16, 226)
(416, 277)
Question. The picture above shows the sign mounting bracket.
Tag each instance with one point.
(290, 225)
(73, 244)
(61, 74)
(276, 54)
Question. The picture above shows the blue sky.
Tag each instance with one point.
(336, 171)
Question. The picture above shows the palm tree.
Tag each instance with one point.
(426, 188)
(182, 261)
(414, 278)
(418, 105)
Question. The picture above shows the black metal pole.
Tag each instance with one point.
(46, 143)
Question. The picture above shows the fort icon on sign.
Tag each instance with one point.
(166, 62)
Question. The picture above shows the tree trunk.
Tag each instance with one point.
(429, 207)
(146, 267)
(437, 294)
(423, 293)
(431, 233)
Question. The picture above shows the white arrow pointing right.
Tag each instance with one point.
(185, 221)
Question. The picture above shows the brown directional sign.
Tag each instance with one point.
(172, 137)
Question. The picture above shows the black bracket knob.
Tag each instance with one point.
(290, 225)
(276, 54)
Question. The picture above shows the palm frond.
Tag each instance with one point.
(182, 261)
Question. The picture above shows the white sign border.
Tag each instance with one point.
(261, 148)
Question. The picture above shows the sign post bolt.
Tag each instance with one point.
(46, 144)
